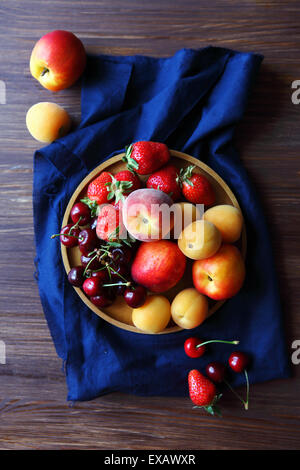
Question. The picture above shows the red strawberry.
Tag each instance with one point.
(122, 184)
(195, 187)
(98, 188)
(145, 157)
(108, 223)
(166, 179)
(203, 392)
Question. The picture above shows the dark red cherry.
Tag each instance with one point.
(87, 241)
(94, 264)
(120, 288)
(119, 272)
(69, 235)
(76, 277)
(102, 300)
(94, 223)
(100, 274)
(216, 371)
(81, 213)
(238, 361)
(135, 296)
(121, 255)
(190, 347)
(93, 286)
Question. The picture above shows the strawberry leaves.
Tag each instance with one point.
(132, 165)
(212, 408)
(92, 205)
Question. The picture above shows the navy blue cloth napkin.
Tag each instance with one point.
(192, 101)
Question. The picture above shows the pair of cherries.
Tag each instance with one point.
(216, 371)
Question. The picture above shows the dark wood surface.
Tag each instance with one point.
(33, 409)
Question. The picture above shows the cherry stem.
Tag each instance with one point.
(115, 272)
(75, 225)
(86, 268)
(245, 403)
(128, 284)
(64, 235)
(216, 341)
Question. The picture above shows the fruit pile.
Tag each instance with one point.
(129, 246)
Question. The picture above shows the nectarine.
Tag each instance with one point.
(222, 275)
(158, 266)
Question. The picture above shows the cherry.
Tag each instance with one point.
(81, 214)
(94, 223)
(191, 349)
(91, 262)
(135, 296)
(92, 286)
(102, 300)
(121, 255)
(100, 274)
(76, 277)
(119, 272)
(238, 361)
(194, 348)
(87, 241)
(216, 371)
(69, 235)
(119, 288)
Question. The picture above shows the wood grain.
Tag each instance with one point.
(33, 408)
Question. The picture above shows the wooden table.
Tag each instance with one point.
(33, 408)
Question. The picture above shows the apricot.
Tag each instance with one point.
(185, 214)
(47, 122)
(228, 220)
(189, 308)
(154, 315)
(199, 240)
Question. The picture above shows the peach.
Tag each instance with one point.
(200, 240)
(222, 275)
(47, 122)
(158, 266)
(228, 220)
(189, 308)
(147, 215)
(154, 315)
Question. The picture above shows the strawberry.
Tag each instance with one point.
(145, 157)
(166, 179)
(108, 223)
(122, 184)
(98, 188)
(203, 392)
(195, 187)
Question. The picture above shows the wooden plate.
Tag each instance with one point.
(119, 314)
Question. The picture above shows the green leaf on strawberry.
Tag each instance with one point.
(91, 204)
